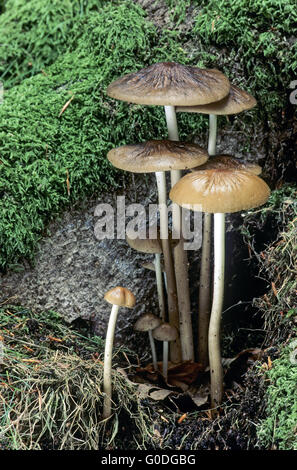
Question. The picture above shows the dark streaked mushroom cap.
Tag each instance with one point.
(157, 155)
(120, 296)
(235, 102)
(228, 162)
(147, 322)
(171, 84)
(219, 190)
(165, 332)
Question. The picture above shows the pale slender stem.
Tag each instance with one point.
(175, 351)
(180, 256)
(165, 359)
(107, 386)
(204, 293)
(159, 281)
(215, 361)
(212, 137)
(153, 348)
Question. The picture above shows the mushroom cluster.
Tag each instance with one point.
(213, 185)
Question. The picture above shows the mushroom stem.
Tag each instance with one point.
(159, 282)
(175, 352)
(165, 359)
(204, 293)
(215, 362)
(212, 138)
(204, 283)
(107, 387)
(153, 348)
(180, 256)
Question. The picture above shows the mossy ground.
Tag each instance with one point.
(65, 53)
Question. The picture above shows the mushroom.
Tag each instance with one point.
(170, 84)
(153, 246)
(229, 162)
(218, 162)
(235, 102)
(148, 322)
(151, 267)
(159, 156)
(166, 333)
(118, 297)
(219, 191)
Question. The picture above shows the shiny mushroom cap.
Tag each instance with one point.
(220, 190)
(157, 155)
(171, 84)
(147, 322)
(165, 332)
(228, 162)
(235, 102)
(120, 296)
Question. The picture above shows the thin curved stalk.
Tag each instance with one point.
(175, 351)
(215, 361)
(165, 359)
(160, 290)
(153, 348)
(180, 256)
(107, 385)
(204, 293)
(204, 284)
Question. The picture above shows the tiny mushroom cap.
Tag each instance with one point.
(120, 296)
(170, 84)
(235, 102)
(152, 267)
(165, 332)
(147, 322)
(157, 155)
(145, 245)
(220, 190)
(149, 245)
(228, 162)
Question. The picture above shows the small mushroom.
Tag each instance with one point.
(118, 297)
(166, 333)
(219, 191)
(159, 156)
(151, 246)
(148, 322)
(222, 162)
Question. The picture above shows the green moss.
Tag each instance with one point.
(279, 428)
(34, 33)
(256, 37)
(39, 148)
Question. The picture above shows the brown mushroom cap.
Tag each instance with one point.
(147, 322)
(228, 162)
(157, 155)
(120, 296)
(220, 190)
(149, 245)
(152, 267)
(170, 84)
(235, 102)
(165, 332)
